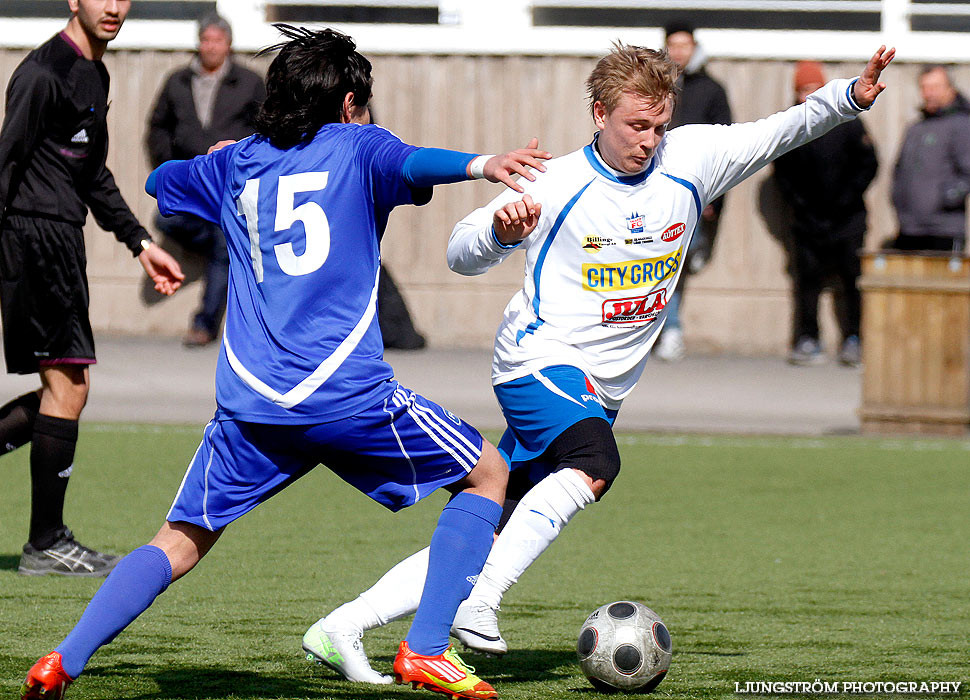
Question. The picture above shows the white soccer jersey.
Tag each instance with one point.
(606, 255)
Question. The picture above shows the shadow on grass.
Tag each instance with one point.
(9, 562)
(524, 665)
(209, 683)
(214, 683)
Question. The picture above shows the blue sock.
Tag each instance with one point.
(459, 546)
(130, 588)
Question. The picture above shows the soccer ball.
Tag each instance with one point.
(624, 646)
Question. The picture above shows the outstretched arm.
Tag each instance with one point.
(867, 87)
(435, 166)
(501, 168)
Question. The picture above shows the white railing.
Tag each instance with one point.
(506, 27)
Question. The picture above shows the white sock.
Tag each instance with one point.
(395, 595)
(535, 523)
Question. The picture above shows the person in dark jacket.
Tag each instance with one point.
(210, 100)
(823, 182)
(932, 177)
(700, 100)
(53, 146)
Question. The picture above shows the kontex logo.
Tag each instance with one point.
(672, 233)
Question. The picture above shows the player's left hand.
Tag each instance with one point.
(867, 87)
(502, 167)
(162, 268)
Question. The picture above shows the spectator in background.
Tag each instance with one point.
(700, 100)
(210, 100)
(824, 181)
(932, 176)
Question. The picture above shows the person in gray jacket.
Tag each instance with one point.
(210, 100)
(932, 176)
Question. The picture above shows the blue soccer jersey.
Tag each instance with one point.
(302, 343)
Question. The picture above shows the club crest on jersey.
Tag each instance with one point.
(672, 233)
(594, 244)
(634, 310)
(634, 223)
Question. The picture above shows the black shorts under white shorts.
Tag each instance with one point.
(43, 294)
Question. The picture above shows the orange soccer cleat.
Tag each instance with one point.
(445, 673)
(46, 679)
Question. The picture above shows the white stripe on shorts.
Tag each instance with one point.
(473, 452)
(430, 431)
(414, 473)
(547, 383)
(458, 439)
(188, 469)
(205, 492)
(435, 422)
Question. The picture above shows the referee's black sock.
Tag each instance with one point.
(17, 421)
(51, 455)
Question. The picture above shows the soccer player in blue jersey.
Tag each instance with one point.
(301, 380)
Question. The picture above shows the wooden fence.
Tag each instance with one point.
(739, 303)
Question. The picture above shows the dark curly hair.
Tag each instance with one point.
(306, 84)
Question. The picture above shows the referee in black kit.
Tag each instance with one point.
(53, 146)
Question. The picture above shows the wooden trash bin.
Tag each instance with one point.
(915, 343)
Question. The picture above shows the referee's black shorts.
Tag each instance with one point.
(43, 294)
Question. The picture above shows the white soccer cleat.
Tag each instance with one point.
(341, 648)
(476, 626)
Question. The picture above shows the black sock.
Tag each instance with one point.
(51, 455)
(17, 421)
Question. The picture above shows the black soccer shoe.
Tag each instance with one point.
(66, 557)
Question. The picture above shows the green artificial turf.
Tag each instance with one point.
(774, 559)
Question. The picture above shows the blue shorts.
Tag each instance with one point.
(397, 452)
(540, 406)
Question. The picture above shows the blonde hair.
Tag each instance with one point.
(648, 73)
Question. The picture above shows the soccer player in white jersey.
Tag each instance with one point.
(604, 231)
(301, 379)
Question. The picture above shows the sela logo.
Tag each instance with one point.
(634, 310)
(673, 232)
(634, 223)
(594, 244)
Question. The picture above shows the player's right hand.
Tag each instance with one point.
(162, 269)
(502, 167)
(516, 220)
